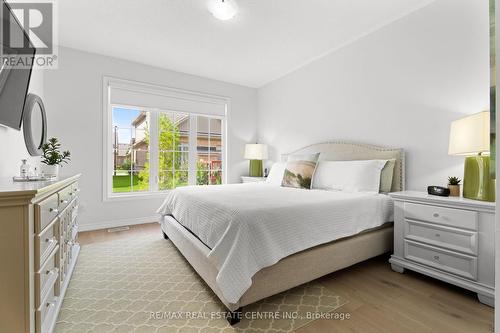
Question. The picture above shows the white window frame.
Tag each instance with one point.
(182, 95)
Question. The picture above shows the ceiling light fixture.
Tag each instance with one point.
(223, 9)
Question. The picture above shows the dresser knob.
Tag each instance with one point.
(54, 210)
(435, 215)
(64, 201)
(436, 257)
(51, 240)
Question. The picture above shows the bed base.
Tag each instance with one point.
(289, 272)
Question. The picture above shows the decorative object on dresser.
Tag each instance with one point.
(454, 186)
(245, 179)
(470, 136)
(451, 239)
(256, 153)
(38, 250)
(52, 157)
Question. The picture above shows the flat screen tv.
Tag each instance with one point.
(17, 55)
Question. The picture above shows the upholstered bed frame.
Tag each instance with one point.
(307, 265)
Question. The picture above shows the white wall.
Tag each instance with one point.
(74, 103)
(400, 86)
(12, 147)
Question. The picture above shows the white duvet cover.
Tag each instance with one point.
(254, 225)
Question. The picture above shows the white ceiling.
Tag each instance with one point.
(266, 40)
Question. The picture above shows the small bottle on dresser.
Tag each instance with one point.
(24, 169)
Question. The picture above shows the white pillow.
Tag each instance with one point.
(349, 176)
(276, 173)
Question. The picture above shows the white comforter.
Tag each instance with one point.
(252, 226)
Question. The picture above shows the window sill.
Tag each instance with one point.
(134, 196)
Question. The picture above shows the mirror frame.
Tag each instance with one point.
(34, 149)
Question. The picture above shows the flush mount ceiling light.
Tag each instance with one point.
(223, 9)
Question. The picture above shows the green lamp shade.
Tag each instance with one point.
(255, 168)
(478, 184)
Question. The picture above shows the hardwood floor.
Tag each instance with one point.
(378, 299)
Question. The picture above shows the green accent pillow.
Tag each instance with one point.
(299, 171)
(386, 176)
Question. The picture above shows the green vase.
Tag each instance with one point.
(255, 168)
(478, 184)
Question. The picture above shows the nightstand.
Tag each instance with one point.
(448, 238)
(246, 179)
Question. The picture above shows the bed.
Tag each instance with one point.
(247, 260)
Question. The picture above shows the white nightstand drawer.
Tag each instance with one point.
(455, 263)
(445, 216)
(245, 179)
(446, 237)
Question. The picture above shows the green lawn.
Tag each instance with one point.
(127, 183)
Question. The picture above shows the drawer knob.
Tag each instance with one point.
(54, 210)
(436, 257)
(64, 201)
(52, 271)
(51, 304)
(51, 239)
(435, 215)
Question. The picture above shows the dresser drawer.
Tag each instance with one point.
(46, 312)
(46, 276)
(46, 211)
(442, 236)
(75, 189)
(65, 197)
(440, 215)
(45, 243)
(448, 261)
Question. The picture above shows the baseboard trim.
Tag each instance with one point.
(116, 223)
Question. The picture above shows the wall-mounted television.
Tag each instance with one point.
(17, 55)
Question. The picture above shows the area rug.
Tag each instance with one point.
(143, 284)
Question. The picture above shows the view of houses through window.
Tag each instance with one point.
(183, 149)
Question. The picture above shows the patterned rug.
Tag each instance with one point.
(143, 284)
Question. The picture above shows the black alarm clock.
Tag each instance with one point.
(438, 190)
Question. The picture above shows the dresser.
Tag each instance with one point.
(448, 238)
(38, 251)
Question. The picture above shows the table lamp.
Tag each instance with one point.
(256, 153)
(470, 136)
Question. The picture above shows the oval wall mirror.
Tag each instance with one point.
(34, 124)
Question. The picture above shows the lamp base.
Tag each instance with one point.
(478, 184)
(255, 168)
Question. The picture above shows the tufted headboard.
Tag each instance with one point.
(349, 151)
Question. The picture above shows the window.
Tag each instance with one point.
(209, 151)
(153, 149)
(130, 150)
